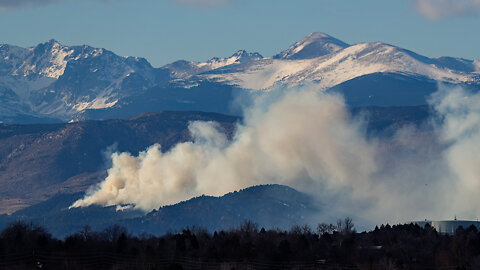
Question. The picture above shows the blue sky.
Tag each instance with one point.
(166, 30)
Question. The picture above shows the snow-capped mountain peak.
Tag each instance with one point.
(47, 59)
(182, 68)
(341, 65)
(50, 59)
(314, 45)
(53, 43)
(242, 56)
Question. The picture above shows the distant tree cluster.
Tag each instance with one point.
(329, 246)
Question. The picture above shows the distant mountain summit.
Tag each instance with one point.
(58, 81)
(314, 45)
(244, 56)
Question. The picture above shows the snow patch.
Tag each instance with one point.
(57, 64)
(312, 46)
(183, 69)
(97, 103)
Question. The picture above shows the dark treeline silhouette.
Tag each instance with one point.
(329, 246)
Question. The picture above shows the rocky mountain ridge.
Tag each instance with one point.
(54, 82)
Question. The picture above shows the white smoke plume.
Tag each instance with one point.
(308, 140)
(460, 130)
(302, 139)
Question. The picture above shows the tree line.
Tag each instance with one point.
(328, 246)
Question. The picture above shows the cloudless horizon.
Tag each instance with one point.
(169, 30)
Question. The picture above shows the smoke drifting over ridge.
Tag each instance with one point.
(440, 9)
(308, 140)
(299, 138)
(460, 130)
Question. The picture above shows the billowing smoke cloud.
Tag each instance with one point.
(303, 139)
(439, 9)
(309, 141)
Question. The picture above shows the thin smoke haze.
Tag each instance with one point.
(308, 140)
(440, 9)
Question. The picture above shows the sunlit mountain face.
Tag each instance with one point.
(52, 82)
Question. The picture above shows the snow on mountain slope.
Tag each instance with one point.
(55, 80)
(95, 83)
(314, 45)
(342, 65)
(48, 59)
(239, 57)
(52, 80)
(183, 69)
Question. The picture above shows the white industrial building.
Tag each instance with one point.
(449, 226)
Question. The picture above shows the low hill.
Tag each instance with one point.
(271, 206)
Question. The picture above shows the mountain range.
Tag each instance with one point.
(52, 82)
